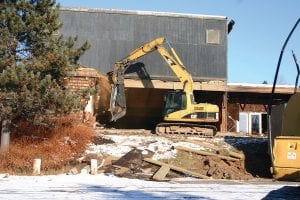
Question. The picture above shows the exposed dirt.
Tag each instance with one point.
(210, 166)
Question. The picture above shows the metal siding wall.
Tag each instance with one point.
(114, 35)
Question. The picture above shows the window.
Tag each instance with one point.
(213, 36)
(255, 123)
(252, 122)
(243, 123)
(175, 101)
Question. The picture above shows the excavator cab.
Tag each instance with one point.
(174, 101)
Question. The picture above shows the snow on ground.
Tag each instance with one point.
(161, 146)
(110, 187)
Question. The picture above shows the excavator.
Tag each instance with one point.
(181, 115)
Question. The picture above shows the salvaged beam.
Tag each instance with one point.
(178, 169)
(203, 144)
(161, 174)
(237, 155)
(205, 153)
(217, 149)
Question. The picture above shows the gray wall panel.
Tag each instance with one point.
(113, 35)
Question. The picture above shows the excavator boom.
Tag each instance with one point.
(118, 100)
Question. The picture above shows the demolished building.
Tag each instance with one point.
(200, 40)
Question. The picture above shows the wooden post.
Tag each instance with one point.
(37, 166)
(224, 113)
(5, 135)
(94, 166)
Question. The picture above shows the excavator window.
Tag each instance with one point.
(175, 101)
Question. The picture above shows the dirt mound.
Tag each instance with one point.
(132, 165)
(210, 166)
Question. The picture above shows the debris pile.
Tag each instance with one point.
(148, 156)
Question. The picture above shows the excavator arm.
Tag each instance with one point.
(118, 100)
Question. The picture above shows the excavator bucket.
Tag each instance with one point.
(117, 99)
(117, 102)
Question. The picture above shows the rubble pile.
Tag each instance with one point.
(150, 156)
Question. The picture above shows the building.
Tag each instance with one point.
(200, 41)
(248, 106)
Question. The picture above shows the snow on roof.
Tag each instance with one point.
(139, 12)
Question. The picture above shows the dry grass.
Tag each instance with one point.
(57, 146)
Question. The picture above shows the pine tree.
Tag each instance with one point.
(34, 60)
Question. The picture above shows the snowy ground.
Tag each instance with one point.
(110, 187)
(160, 146)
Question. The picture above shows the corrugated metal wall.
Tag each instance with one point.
(114, 34)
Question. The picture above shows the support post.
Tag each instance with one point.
(224, 113)
(37, 166)
(94, 166)
(5, 135)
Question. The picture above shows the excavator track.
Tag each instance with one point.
(185, 129)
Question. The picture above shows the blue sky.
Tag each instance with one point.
(254, 45)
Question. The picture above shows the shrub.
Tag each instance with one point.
(57, 146)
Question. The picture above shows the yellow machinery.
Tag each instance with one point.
(284, 134)
(181, 114)
(286, 145)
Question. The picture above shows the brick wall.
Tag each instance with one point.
(79, 80)
(82, 79)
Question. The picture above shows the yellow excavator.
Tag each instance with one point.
(182, 115)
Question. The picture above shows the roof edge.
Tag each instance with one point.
(139, 12)
(258, 85)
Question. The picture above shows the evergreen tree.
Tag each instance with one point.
(34, 60)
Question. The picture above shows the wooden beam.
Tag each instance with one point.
(202, 143)
(260, 89)
(178, 169)
(175, 85)
(160, 175)
(205, 153)
(217, 149)
(224, 113)
(217, 85)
